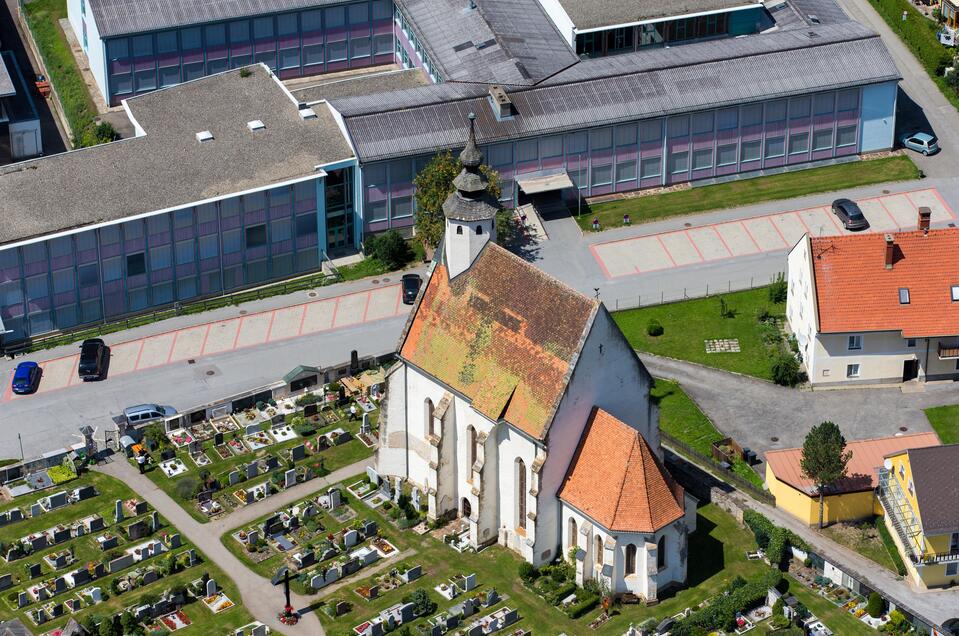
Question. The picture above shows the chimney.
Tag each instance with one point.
(925, 215)
(501, 103)
(890, 249)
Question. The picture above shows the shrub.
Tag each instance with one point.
(388, 248)
(761, 527)
(527, 573)
(309, 398)
(557, 595)
(422, 603)
(874, 605)
(763, 315)
(582, 605)
(61, 474)
(654, 328)
(778, 289)
(785, 369)
(721, 611)
(187, 488)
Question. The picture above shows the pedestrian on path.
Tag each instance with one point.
(141, 462)
(352, 412)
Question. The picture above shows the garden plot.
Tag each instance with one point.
(256, 441)
(217, 603)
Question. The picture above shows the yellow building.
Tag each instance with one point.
(919, 491)
(950, 12)
(851, 499)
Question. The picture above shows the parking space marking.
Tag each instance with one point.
(227, 335)
(760, 234)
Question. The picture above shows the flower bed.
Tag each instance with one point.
(176, 620)
(217, 603)
(173, 467)
(237, 447)
(180, 437)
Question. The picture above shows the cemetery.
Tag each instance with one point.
(96, 552)
(217, 465)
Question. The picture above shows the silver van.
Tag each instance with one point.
(147, 413)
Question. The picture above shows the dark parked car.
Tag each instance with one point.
(93, 359)
(850, 215)
(411, 287)
(26, 378)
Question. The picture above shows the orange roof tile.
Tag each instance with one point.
(867, 458)
(503, 333)
(616, 479)
(855, 291)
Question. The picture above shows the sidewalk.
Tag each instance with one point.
(260, 597)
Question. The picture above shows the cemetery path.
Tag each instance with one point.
(259, 596)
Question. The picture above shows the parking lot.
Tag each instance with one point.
(761, 234)
(193, 343)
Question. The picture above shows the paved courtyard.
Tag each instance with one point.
(759, 234)
(194, 342)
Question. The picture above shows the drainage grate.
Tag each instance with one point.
(376, 281)
(210, 372)
(243, 312)
(191, 361)
(386, 280)
(773, 439)
(312, 294)
(903, 428)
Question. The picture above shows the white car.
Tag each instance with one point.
(921, 142)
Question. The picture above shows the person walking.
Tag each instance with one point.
(352, 412)
(142, 461)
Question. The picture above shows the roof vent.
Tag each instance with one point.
(255, 125)
(204, 136)
(501, 103)
(307, 113)
(814, 18)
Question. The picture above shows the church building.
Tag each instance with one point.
(518, 405)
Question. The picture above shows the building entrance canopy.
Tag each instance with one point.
(544, 181)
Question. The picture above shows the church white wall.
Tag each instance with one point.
(609, 375)
(391, 454)
(463, 243)
(418, 388)
(512, 445)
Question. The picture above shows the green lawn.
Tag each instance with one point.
(835, 618)
(716, 555)
(748, 191)
(681, 418)
(43, 18)
(322, 462)
(85, 550)
(863, 538)
(372, 267)
(688, 324)
(945, 421)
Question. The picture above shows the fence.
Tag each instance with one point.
(177, 309)
(707, 461)
(688, 293)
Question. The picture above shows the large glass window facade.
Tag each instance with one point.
(293, 44)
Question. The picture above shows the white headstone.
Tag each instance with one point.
(210, 587)
(289, 478)
(415, 498)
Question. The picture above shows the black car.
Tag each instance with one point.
(850, 215)
(93, 359)
(411, 287)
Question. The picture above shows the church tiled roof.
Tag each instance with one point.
(616, 479)
(504, 334)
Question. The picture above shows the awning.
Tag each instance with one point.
(537, 182)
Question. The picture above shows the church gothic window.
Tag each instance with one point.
(571, 534)
(520, 493)
(598, 548)
(428, 415)
(661, 552)
(630, 559)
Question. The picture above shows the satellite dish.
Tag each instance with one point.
(887, 464)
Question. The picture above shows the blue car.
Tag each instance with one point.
(26, 378)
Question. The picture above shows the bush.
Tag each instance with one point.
(785, 369)
(422, 603)
(874, 605)
(721, 611)
(779, 289)
(582, 605)
(61, 474)
(388, 248)
(557, 595)
(654, 328)
(763, 315)
(187, 488)
(761, 527)
(527, 573)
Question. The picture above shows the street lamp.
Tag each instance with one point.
(579, 178)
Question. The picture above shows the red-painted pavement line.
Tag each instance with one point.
(750, 235)
(832, 217)
(136, 363)
(659, 238)
(236, 336)
(205, 336)
(895, 223)
(336, 307)
(269, 328)
(399, 297)
(776, 227)
(8, 393)
(74, 377)
(366, 307)
(169, 358)
(602, 265)
(695, 247)
(299, 331)
(941, 200)
(721, 240)
(801, 222)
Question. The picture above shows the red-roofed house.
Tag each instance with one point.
(518, 405)
(872, 308)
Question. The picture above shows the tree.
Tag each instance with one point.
(389, 249)
(874, 605)
(824, 458)
(128, 622)
(422, 603)
(107, 628)
(433, 184)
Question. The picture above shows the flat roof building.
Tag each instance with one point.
(19, 122)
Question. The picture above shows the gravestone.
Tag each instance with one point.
(369, 528)
(289, 478)
(309, 511)
(511, 617)
(350, 538)
(452, 621)
(61, 534)
(204, 496)
(34, 570)
(437, 630)
(15, 515)
(272, 463)
(310, 410)
(469, 608)
(96, 524)
(6, 580)
(59, 585)
(4, 519)
(174, 540)
(138, 530)
(406, 612)
(156, 548)
(298, 452)
(139, 507)
(109, 543)
(39, 542)
(194, 447)
(36, 510)
(58, 500)
(252, 429)
(252, 537)
(373, 475)
(117, 511)
(342, 607)
(470, 582)
(167, 455)
(365, 426)
(249, 497)
(252, 470)
(335, 499)
(86, 492)
(376, 629)
(155, 521)
(191, 557)
(317, 581)
(60, 560)
(96, 595)
(120, 563)
(80, 530)
(57, 610)
(81, 576)
(234, 477)
(23, 599)
(218, 439)
(413, 573)
(269, 523)
(210, 587)
(259, 630)
(475, 630)
(492, 597)
(149, 577)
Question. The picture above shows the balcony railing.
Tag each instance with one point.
(903, 519)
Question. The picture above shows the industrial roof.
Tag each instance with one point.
(509, 353)
(168, 167)
(367, 84)
(6, 83)
(935, 476)
(623, 88)
(594, 14)
(867, 459)
(498, 42)
(856, 292)
(122, 17)
(616, 479)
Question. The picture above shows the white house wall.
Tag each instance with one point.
(94, 51)
(801, 301)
